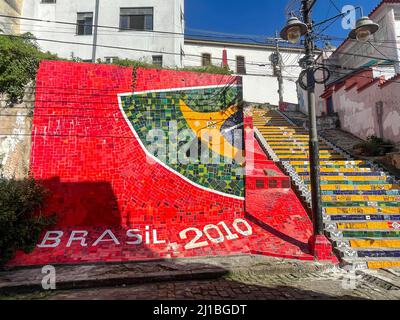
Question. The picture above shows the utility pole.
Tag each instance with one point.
(293, 31)
(96, 23)
(276, 60)
(278, 69)
(313, 143)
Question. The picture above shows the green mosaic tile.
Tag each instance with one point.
(156, 110)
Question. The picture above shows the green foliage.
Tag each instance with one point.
(19, 61)
(209, 69)
(20, 227)
(374, 146)
(141, 64)
(134, 64)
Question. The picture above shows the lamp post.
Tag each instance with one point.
(96, 22)
(292, 32)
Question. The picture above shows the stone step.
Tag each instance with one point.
(377, 254)
(297, 157)
(392, 192)
(278, 148)
(362, 210)
(341, 179)
(364, 235)
(331, 163)
(371, 263)
(344, 218)
(349, 175)
(370, 245)
(359, 204)
(357, 187)
(333, 170)
(300, 151)
(358, 198)
(368, 225)
(305, 155)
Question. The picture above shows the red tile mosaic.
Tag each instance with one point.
(113, 205)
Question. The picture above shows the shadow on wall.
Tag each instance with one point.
(82, 203)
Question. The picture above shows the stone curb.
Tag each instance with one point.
(33, 284)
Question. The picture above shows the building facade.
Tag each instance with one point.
(152, 31)
(363, 88)
(138, 30)
(252, 62)
(10, 8)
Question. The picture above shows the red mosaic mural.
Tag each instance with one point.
(113, 205)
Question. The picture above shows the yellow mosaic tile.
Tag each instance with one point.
(362, 210)
(361, 198)
(383, 264)
(346, 187)
(375, 243)
(353, 178)
(365, 225)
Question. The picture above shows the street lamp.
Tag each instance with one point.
(295, 29)
(292, 32)
(365, 27)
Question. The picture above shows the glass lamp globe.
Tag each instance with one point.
(363, 34)
(294, 34)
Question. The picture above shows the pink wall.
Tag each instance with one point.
(355, 102)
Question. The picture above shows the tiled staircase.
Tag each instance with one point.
(361, 202)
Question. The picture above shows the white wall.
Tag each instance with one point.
(358, 112)
(10, 8)
(167, 17)
(259, 84)
(381, 48)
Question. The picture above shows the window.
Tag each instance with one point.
(240, 65)
(140, 19)
(84, 24)
(158, 61)
(329, 105)
(48, 1)
(110, 59)
(206, 59)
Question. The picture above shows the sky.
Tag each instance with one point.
(261, 17)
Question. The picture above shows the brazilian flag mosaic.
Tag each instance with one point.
(196, 132)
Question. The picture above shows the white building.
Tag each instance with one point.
(363, 91)
(379, 53)
(154, 31)
(252, 62)
(10, 8)
(147, 27)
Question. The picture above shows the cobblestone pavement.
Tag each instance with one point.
(259, 279)
(242, 287)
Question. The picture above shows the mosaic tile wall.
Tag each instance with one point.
(215, 108)
(114, 205)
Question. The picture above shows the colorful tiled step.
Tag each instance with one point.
(362, 210)
(370, 234)
(375, 244)
(348, 175)
(356, 187)
(362, 192)
(340, 179)
(355, 217)
(357, 198)
(383, 264)
(378, 254)
(356, 204)
(384, 225)
(361, 203)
